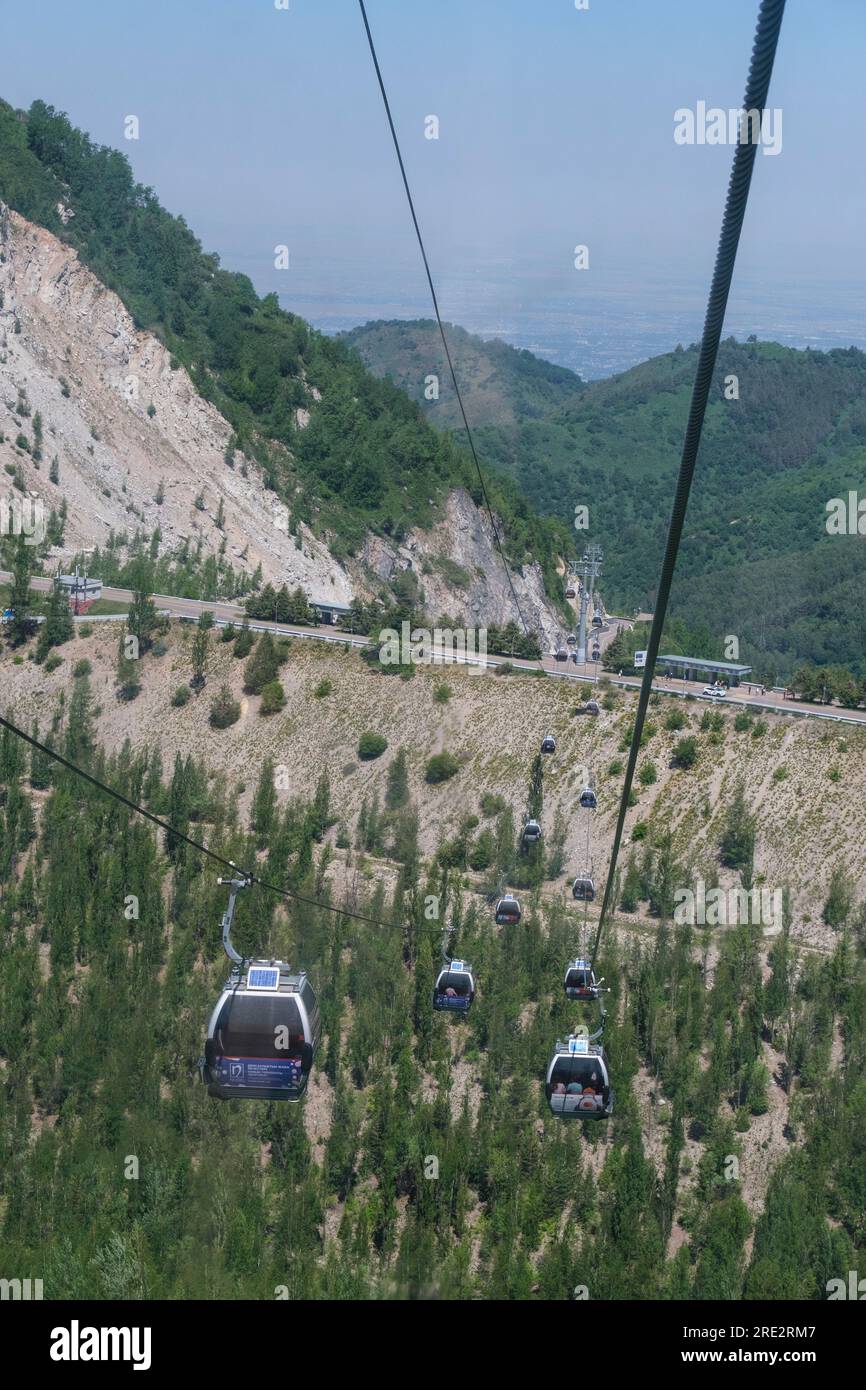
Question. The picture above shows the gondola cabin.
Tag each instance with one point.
(570, 592)
(596, 653)
(580, 981)
(262, 1035)
(531, 832)
(571, 640)
(583, 889)
(508, 911)
(548, 744)
(578, 1083)
(454, 989)
(588, 799)
(592, 707)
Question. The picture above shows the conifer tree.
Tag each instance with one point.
(58, 626)
(21, 624)
(264, 804)
(262, 666)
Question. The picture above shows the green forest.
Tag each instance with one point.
(755, 560)
(423, 1161)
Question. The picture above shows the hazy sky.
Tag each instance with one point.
(265, 126)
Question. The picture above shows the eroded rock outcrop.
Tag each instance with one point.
(127, 428)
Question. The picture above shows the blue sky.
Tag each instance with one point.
(556, 127)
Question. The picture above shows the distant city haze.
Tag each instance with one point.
(264, 127)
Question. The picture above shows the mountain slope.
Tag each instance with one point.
(124, 426)
(756, 560)
(344, 452)
(505, 385)
(743, 1042)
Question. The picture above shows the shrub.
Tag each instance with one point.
(440, 767)
(225, 709)
(647, 774)
(82, 668)
(323, 689)
(616, 767)
(244, 642)
(482, 852)
(492, 805)
(742, 722)
(371, 746)
(181, 696)
(442, 694)
(675, 720)
(273, 698)
(53, 662)
(685, 753)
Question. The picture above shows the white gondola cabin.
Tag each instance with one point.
(580, 981)
(578, 1082)
(262, 1035)
(583, 889)
(508, 911)
(454, 989)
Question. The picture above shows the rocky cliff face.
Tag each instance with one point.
(125, 428)
(461, 575)
(121, 421)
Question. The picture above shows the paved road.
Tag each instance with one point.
(772, 702)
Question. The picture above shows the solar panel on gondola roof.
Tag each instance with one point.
(263, 977)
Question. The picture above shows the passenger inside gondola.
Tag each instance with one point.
(455, 986)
